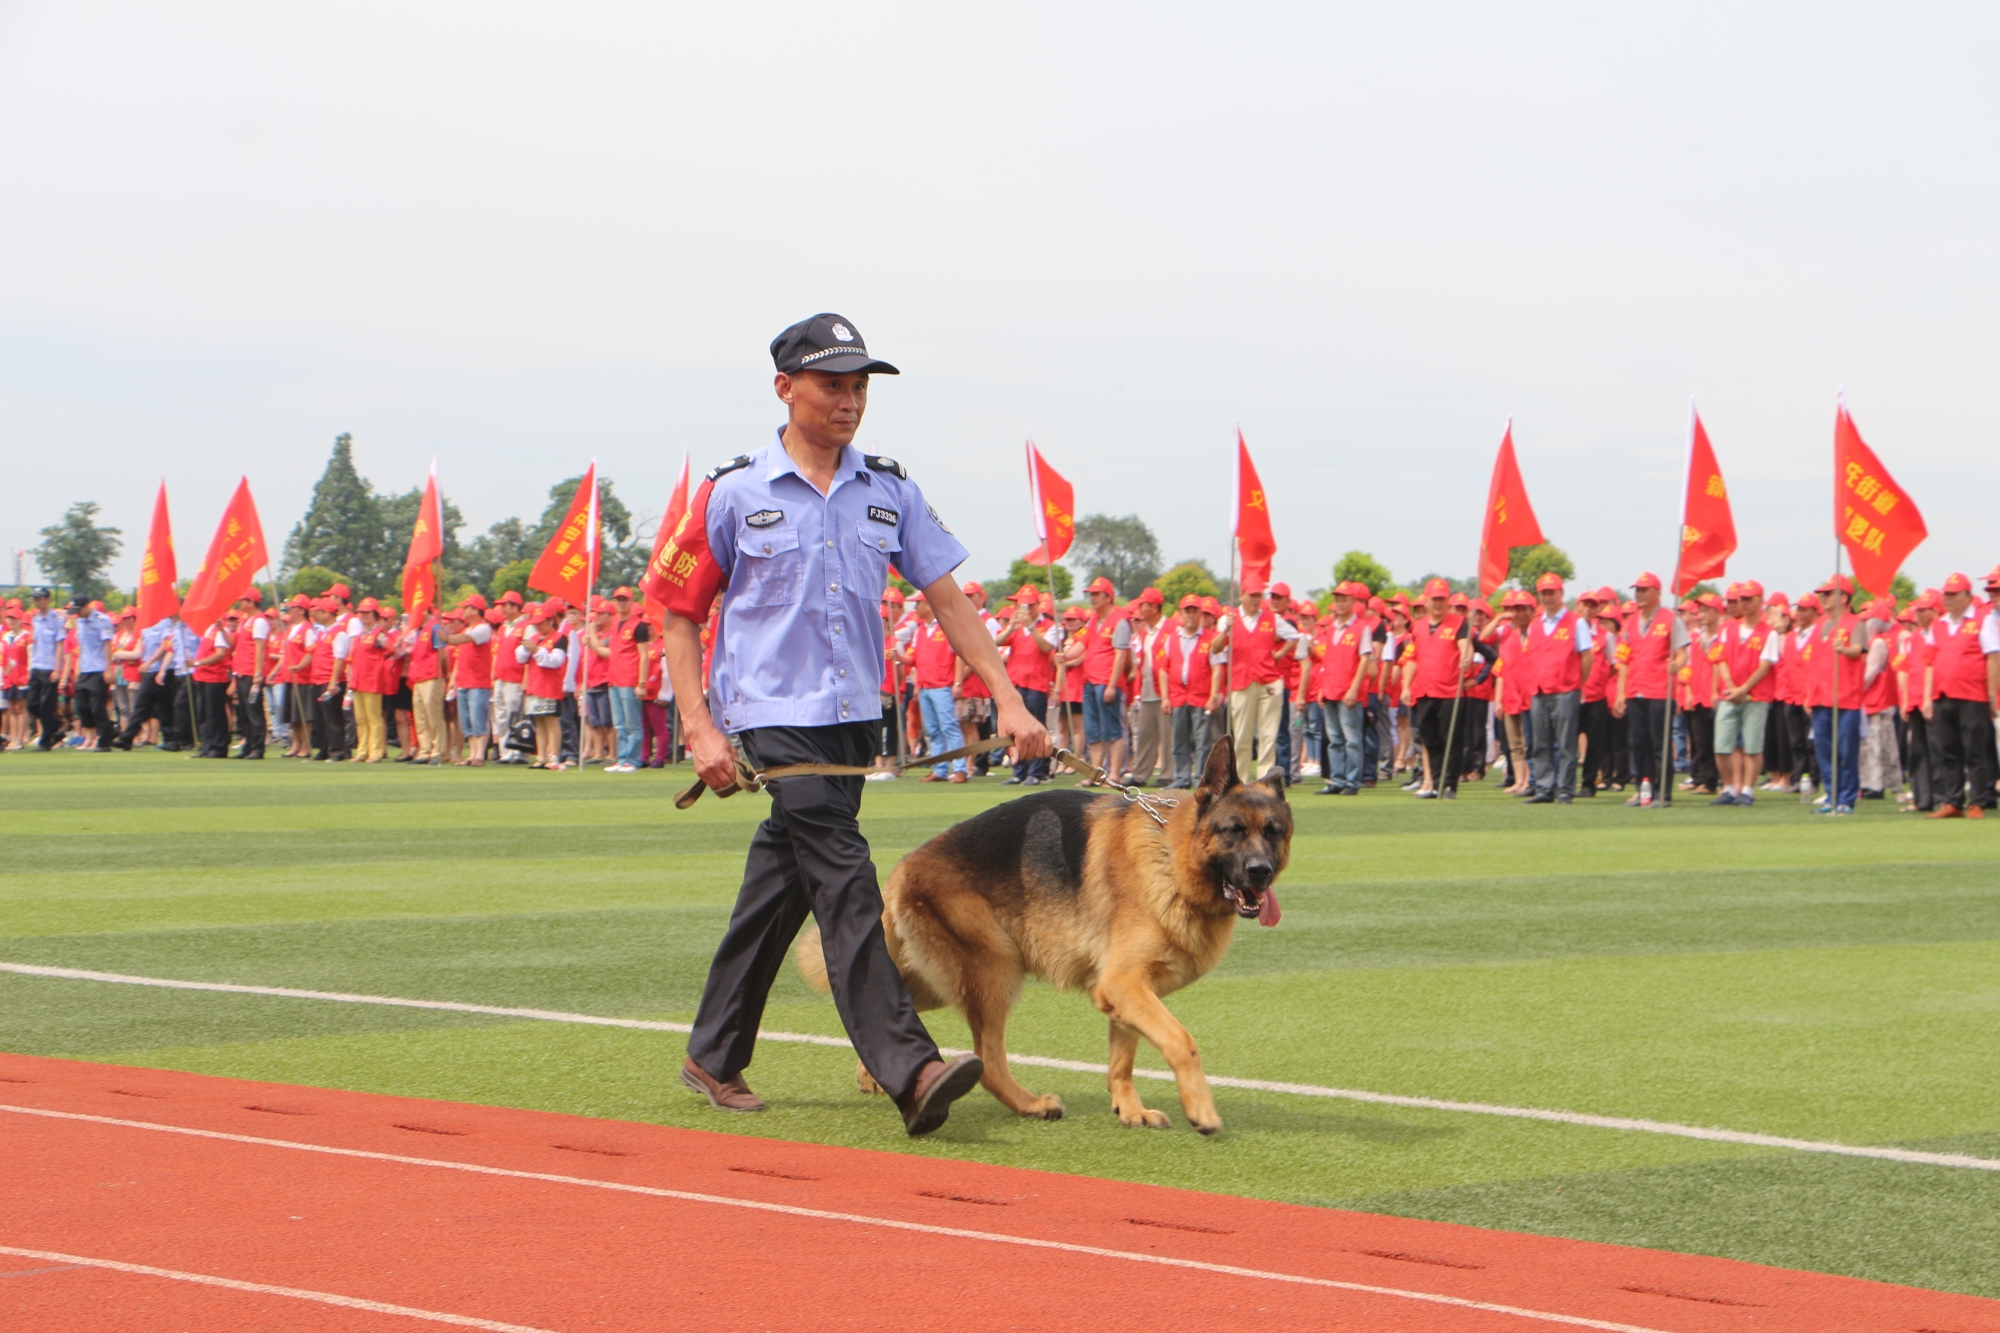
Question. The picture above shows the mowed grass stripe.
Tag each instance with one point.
(1549, 1115)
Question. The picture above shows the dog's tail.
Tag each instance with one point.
(811, 959)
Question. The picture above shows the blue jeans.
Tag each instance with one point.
(1347, 737)
(1103, 718)
(1371, 738)
(941, 725)
(1312, 730)
(1283, 749)
(1037, 704)
(625, 717)
(475, 711)
(1848, 788)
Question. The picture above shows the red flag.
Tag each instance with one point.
(650, 586)
(1877, 523)
(420, 576)
(232, 562)
(1510, 519)
(1255, 545)
(1055, 509)
(567, 567)
(1708, 529)
(157, 598)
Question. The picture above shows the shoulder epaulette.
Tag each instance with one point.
(881, 464)
(741, 460)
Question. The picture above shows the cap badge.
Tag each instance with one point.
(842, 332)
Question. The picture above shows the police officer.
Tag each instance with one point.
(803, 533)
(93, 692)
(48, 628)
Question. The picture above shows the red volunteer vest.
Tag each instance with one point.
(1436, 648)
(1956, 659)
(1651, 642)
(1743, 650)
(1253, 651)
(1552, 663)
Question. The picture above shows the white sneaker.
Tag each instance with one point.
(884, 776)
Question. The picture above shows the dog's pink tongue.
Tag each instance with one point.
(1268, 914)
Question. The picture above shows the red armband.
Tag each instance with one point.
(683, 575)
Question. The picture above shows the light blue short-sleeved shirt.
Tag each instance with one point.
(49, 628)
(800, 643)
(93, 632)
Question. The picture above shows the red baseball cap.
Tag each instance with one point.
(1549, 582)
(1752, 588)
(1252, 585)
(1307, 607)
(495, 616)
(340, 592)
(1646, 580)
(511, 596)
(1211, 605)
(1459, 600)
(1806, 599)
(1101, 584)
(622, 592)
(1073, 613)
(369, 604)
(1151, 597)
(1958, 583)
(1930, 597)
(1838, 583)
(1027, 592)
(129, 613)
(1882, 608)
(1190, 601)
(301, 601)
(893, 595)
(476, 602)
(1437, 588)
(1993, 578)
(1709, 599)
(1281, 590)
(972, 589)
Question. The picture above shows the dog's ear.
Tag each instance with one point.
(1219, 778)
(1273, 782)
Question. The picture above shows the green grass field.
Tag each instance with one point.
(1759, 970)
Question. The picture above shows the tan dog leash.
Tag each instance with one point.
(748, 778)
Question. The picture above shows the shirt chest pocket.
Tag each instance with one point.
(770, 568)
(876, 545)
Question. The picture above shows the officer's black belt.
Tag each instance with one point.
(748, 778)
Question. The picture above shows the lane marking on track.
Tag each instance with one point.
(1584, 1118)
(265, 1289)
(758, 1205)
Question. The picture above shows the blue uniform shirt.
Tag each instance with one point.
(49, 629)
(93, 631)
(801, 630)
(185, 645)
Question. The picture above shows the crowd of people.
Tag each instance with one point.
(1560, 695)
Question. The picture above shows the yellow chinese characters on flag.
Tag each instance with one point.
(566, 567)
(230, 567)
(1875, 520)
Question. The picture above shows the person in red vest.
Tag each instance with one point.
(290, 680)
(1342, 653)
(1071, 685)
(1508, 635)
(1029, 639)
(1912, 665)
(1151, 722)
(1440, 649)
(543, 653)
(895, 670)
(509, 674)
(211, 686)
(1556, 658)
(1879, 696)
(1187, 680)
(974, 702)
(1746, 659)
(1654, 650)
(423, 658)
(939, 672)
(473, 641)
(364, 683)
(1965, 685)
(1250, 644)
(1838, 684)
(1102, 651)
(248, 661)
(325, 659)
(1701, 617)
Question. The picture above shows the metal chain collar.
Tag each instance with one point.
(1150, 804)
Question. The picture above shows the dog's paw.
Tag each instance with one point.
(1048, 1106)
(866, 1081)
(1208, 1126)
(1144, 1118)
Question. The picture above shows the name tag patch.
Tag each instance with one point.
(881, 515)
(764, 518)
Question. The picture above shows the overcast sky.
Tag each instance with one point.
(516, 237)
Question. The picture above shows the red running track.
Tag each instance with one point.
(322, 1210)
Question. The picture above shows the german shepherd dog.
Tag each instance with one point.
(1089, 892)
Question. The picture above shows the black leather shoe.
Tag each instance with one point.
(939, 1084)
(1540, 798)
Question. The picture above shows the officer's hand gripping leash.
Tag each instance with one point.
(749, 778)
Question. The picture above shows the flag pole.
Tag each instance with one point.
(1666, 792)
(1833, 634)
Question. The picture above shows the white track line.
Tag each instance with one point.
(756, 1205)
(1711, 1135)
(264, 1289)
